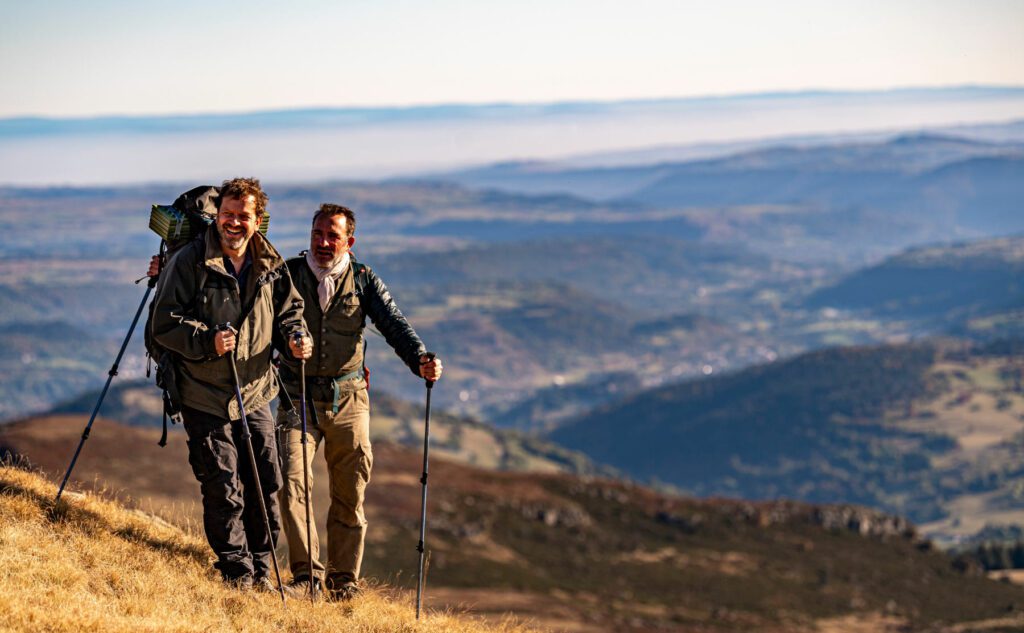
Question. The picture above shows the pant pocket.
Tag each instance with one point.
(365, 462)
(201, 458)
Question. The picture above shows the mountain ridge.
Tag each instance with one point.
(33, 125)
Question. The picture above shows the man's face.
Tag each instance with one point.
(329, 240)
(236, 223)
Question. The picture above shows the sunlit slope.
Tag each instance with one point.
(593, 555)
(93, 565)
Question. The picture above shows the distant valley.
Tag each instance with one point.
(532, 292)
(833, 321)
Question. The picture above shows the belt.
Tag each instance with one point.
(328, 380)
(324, 381)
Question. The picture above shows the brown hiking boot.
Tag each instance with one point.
(344, 592)
(302, 587)
(265, 585)
(242, 583)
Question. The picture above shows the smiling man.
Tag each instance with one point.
(339, 293)
(232, 274)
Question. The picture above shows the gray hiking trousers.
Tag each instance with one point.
(232, 518)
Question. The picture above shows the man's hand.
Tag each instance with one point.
(154, 267)
(301, 346)
(224, 341)
(430, 368)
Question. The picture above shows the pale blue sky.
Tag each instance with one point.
(66, 58)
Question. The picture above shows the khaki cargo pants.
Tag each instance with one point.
(346, 439)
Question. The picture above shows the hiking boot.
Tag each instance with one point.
(301, 585)
(241, 583)
(344, 592)
(265, 585)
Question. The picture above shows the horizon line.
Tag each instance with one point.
(505, 104)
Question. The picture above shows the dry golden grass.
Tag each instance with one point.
(89, 564)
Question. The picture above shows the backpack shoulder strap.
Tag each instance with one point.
(361, 274)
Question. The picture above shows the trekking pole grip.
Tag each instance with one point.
(429, 356)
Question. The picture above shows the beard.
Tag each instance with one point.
(326, 258)
(234, 242)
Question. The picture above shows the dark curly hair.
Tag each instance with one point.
(242, 188)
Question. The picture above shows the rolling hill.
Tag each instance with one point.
(581, 554)
(92, 564)
(519, 288)
(622, 176)
(845, 200)
(943, 286)
(928, 430)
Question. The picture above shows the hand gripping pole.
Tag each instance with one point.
(423, 499)
(305, 476)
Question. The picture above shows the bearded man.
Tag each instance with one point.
(231, 275)
(339, 293)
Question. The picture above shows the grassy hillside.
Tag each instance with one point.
(582, 554)
(89, 564)
(926, 430)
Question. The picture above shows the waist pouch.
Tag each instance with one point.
(328, 389)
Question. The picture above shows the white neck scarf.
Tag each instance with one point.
(327, 278)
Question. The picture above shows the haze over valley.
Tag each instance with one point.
(830, 318)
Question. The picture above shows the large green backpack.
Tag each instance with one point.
(178, 225)
(182, 223)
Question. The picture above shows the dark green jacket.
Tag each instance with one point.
(197, 293)
(338, 332)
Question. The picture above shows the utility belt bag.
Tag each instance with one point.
(328, 389)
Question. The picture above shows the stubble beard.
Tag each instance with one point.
(235, 243)
(327, 265)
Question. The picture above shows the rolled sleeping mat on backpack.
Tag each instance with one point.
(173, 225)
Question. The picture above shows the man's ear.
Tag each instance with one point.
(351, 240)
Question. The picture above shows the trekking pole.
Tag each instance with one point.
(247, 436)
(103, 394)
(305, 478)
(423, 498)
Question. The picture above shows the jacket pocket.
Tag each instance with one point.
(349, 313)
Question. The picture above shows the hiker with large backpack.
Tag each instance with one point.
(339, 293)
(225, 302)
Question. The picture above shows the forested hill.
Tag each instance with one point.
(940, 283)
(907, 428)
